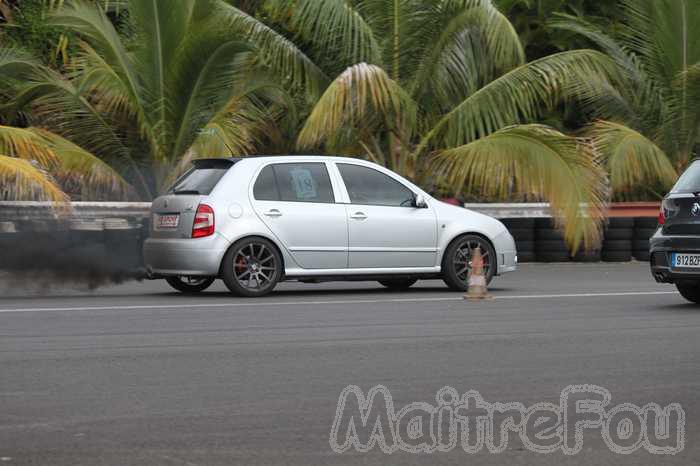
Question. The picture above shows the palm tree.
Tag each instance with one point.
(34, 162)
(648, 125)
(188, 81)
(439, 90)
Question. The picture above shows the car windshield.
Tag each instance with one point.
(201, 179)
(689, 182)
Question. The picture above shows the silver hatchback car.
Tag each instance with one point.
(256, 221)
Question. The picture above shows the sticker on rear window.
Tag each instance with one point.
(304, 185)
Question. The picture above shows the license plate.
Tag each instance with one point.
(166, 222)
(686, 261)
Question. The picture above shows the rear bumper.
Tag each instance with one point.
(661, 248)
(190, 257)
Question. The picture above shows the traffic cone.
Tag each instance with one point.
(477, 279)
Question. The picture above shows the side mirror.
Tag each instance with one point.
(420, 202)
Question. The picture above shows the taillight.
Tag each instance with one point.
(203, 222)
(662, 216)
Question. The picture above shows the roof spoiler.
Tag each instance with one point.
(215, 163)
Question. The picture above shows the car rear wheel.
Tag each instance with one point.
(398, 284)
(190, 284)
(252, 267)
(690, 291)
(457, 262)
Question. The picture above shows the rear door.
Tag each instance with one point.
(172, 215)
(297, 202)
(386, 230)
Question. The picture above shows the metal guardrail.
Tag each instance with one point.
(25, 210)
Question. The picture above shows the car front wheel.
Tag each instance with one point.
(457, 263)
(690, 291)
(190, 284)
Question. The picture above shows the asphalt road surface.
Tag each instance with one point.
(138, 375)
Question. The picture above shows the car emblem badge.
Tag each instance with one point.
(695, 210)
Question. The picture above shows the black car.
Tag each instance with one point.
(675, 248)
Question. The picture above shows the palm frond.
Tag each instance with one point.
(278, 52)
(360, 91)
(25, 144)
(518, 96)
(475, 44)
(90, 22)
(330, 25)
(22, 181)
(80, 167)
(536, 161)
(632, 159)
(208, 71)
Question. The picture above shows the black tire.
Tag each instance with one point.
(525, 246)
(548, 234)
(553, 256)
(551, 246)
(458, 279)
(526, 257)
(252, 259)
(398, 284)
(617, 256)
(642, 256)
(190, 285)
(616, 234)
(646, 222)
(644, 233)
(690, 291)
(523, 235)
(587, 257)
(617, 245)
(641, 245)
(519, 223)
(621, 222)
(544, 224)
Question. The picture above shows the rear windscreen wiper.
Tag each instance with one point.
(186, 191)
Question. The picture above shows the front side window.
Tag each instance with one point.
(295, 182)
(367, 186)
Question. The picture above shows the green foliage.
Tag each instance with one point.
(531, 18)
(451, 93)
(450, 79)
(651, 119)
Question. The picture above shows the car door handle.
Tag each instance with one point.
(273, 213)
(359, 216)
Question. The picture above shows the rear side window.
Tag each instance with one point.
(689, 182)
(202, 179)
(265, 187)
(294, 182)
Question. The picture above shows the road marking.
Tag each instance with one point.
(263, 303)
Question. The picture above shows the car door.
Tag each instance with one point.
(386, 229)
(297, 203)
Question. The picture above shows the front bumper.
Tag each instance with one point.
(506, 253)
(188, 257)
(661, 248)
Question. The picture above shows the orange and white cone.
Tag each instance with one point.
(477, 279)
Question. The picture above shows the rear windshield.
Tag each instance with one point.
(202, 178)
(689, 182)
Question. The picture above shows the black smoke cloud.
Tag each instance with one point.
(83, 253)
